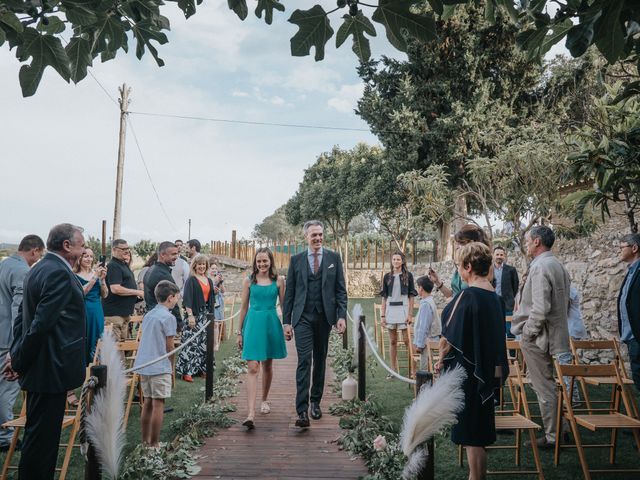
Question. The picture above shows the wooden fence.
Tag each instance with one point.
(361, 255)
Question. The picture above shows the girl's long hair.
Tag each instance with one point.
(404, 273)
(273, 274)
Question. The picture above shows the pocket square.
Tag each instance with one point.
(330, 266)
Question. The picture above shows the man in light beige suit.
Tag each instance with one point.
(541, 321)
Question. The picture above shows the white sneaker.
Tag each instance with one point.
(265, 408)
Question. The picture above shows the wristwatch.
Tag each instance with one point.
(238, 332)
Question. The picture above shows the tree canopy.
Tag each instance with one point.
(68, 35)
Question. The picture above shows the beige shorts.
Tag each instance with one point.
(156, 386)
(396, 326)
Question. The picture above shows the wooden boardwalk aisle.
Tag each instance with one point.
(276, 449)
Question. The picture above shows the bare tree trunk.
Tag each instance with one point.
(444, 231)
(633, 225)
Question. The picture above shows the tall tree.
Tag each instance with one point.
(275, 226)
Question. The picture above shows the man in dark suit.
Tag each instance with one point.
(505, 281)
(629, 303)
(48, 349)
(315, 300)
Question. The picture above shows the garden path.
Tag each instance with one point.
(276, 449)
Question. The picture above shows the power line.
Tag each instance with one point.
(155, 190)
(248, 122)
(102, 87)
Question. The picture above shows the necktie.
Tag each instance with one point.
(316, 263)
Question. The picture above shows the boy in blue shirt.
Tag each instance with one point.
(159, 329)
(427, 321)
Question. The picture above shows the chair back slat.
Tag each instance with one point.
(607, 370)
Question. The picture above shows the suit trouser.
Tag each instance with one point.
(540, 369)
(634, 359)
(8, 394)
(45, 412)
(312, 342)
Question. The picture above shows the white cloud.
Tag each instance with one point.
(346, 99)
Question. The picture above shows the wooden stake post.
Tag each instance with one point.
(210, 358)
(362, 360)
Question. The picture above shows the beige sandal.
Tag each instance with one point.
(265, 408)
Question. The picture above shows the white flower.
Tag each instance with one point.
(380, 443)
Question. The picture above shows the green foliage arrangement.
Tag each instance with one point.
(176, 460)
(607, 156)
(68, 35)
(145, 248)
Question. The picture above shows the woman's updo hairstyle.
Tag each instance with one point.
(478, 255)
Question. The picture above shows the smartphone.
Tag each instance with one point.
(103, 260)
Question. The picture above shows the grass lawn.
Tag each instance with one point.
(183, 397)
(393, 396)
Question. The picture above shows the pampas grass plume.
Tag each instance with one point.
(105, 423)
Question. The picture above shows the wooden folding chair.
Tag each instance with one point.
(517, 419)
(133, 329)
(129, 349)
(613, 420)
(71, 419)
(581, 345)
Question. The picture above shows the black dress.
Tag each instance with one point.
(476, 333)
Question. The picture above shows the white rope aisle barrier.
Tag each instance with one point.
(374, 349)
(177, 349)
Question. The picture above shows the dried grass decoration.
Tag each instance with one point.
(435, 408)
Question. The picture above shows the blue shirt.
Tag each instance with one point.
(625, 326)
(157, 325)
(427, 316)
(497, 274)
(310, 258)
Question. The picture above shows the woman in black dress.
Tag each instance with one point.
(473, 337)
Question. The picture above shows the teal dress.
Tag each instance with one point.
(95, 317)
(262, 334)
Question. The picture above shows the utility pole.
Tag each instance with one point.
(189, 237)
(117, 211)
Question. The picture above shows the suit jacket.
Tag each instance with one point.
(510, 283)
(544, 305)
(633, 304)
(12, 273)
(48, 349)
(334, 290)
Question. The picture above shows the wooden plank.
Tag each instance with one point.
(276, 449)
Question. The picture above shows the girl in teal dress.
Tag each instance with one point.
(260, 334)
(92, 279)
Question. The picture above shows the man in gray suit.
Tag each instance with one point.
(541, 320)
(315, 301)
(12, 273)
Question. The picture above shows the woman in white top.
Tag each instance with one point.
(398, 292)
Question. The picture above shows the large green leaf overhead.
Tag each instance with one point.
(401, 23)
(314, 31)
(357, 26)
(267, 6)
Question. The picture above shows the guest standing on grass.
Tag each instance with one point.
(48, 350)
(123, 290)
(198, 301)
(398, 293)
(473, 337)
(159, 330)
(161, 270)
(92, 277)
(13, 270)
(260, 335)
(427, 321)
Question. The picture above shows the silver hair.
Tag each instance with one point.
(632, 239)
(60, 233)
(311, 223)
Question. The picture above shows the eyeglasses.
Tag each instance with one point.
(623, 246)
(127, 249)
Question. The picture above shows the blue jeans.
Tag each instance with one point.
(634, 358)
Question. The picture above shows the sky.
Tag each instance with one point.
(59, 147)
